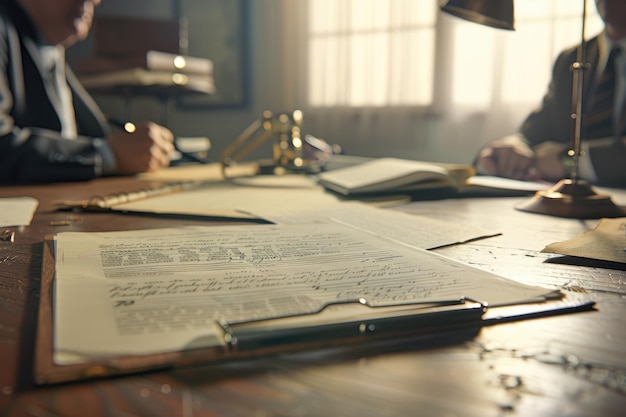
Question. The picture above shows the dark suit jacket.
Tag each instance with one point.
(552, 122)
(31, 147)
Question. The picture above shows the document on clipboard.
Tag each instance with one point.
(119, 302)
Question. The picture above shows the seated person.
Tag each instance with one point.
(50, 128)
(539, 150)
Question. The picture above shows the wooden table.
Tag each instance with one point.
(573, 365)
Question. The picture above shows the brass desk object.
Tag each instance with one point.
(288, 148)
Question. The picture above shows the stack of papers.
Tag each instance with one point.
(152, 291)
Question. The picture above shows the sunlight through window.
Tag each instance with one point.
(382, 53)
(371, 52)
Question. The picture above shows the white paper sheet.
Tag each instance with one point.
(241, 198)
(413, 230)
(17, 211)
(140, 292)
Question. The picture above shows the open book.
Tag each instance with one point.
(393, 175)
(140, 79)
(149, 60)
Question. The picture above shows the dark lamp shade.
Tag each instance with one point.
(495, 13)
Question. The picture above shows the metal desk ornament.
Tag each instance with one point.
(291, 152)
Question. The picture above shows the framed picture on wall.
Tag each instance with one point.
(218, 30)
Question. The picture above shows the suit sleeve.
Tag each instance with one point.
(33, 154)
(552, 121)
(609, 162)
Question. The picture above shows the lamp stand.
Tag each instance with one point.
(573, 197)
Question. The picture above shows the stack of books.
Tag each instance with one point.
(143, 55)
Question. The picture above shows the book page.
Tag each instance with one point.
(488, 182)
(390, 174)
(141, 292)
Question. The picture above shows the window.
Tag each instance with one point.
(371, 52)
(375, 53)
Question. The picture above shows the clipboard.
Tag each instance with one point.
(251, 339)
(246, 339)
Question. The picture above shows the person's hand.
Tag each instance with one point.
(148, 148)
(548, 162)
(510, 157)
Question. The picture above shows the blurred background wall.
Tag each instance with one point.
(378, 77)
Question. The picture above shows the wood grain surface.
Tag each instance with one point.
(573, 365)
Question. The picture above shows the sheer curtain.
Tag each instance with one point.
(399, 78)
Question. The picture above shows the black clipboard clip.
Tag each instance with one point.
(359, 321)
(318, 328)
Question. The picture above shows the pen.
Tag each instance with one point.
(248, 337)
(130, 128)
(554, 311)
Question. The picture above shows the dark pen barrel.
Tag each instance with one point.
(248, 337)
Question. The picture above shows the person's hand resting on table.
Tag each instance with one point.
(511, 157)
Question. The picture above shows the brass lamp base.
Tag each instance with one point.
(573, 199)
(269, 167)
